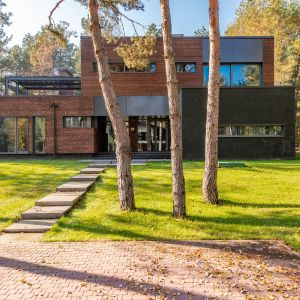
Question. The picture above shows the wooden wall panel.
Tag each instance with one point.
(268, 64)
(134, 84)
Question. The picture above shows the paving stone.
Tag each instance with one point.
(127, 270)
(60, 199)
(85, 177)
(31, 226)
(45, 212)
(75, 186)
(92, 171)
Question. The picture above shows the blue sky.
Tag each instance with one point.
(187, 15)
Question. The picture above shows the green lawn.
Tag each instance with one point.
(22, 182)
(261, 201)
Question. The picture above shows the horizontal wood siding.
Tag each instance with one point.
(268, 67)
(134, 84)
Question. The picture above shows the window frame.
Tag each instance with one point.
(231, 64)
(92, 122)
(127, 70)
(186, 63)
(34, 135)
(16, 135)
(252, 136)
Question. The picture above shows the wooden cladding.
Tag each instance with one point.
(268, 64)
(187, 49)
(148, 83)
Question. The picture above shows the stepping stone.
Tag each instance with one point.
(85, 177)
(60, 199)
(45, 212)
(93, 166)
(30, 226)
(92, 171)
(75, 186)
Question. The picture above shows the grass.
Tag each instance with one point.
(261, 201)
(22, 182)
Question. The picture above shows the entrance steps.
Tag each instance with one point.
(148, 156)
(49, 209)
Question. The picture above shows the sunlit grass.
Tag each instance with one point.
(261, 201)
(22, 182)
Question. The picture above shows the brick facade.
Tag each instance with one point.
(86, 140)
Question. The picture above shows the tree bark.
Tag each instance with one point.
(123, 147)
(178, 184)
(210, 189)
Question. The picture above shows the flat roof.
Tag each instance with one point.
(47, 82)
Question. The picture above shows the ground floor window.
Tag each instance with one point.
(79, 122)
(39, 134)
(251, 130)
(13, 135)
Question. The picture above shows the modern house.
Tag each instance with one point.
(257, 119)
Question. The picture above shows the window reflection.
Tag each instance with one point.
(40, 134)
(22, 134)
(251, 130)
(236, 74)
(245, 75)
(13, 135)
(185, 67)
(79, 122)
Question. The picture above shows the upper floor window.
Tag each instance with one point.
(121, 67)
(251, 130)
(237, 74)
(186, 67)
(79, 122)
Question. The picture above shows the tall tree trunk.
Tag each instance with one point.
(210, 189)
(178, 185)
(123, 147)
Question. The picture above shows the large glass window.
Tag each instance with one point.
(236, 74)
(7, 135)
(79, 122)
(251, 130)
(22, 135)
(40, 134)
(185, 67)
(13, 135)
(246, 75)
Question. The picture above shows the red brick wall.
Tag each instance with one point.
(69, 140)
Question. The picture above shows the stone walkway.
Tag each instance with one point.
(49, 209)
(148, 270)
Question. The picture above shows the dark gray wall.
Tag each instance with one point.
(241, 50)
(275, 105)
(136, 106)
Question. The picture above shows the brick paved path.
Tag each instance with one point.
(148, 270)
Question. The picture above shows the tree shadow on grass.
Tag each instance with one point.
(226, 202)
(98, 279)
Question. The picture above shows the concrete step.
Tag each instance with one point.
(85, 177)
(45, 212)
(75, 186)
(60, 199)
(30, 226)
(92, 171)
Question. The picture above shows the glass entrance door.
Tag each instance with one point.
(153, 134)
